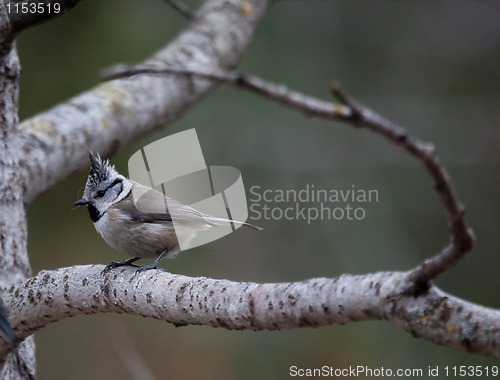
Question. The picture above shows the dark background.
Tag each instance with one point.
(431, 66)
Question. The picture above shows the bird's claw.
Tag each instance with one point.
(116, 264)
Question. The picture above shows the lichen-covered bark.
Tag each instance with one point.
(439, 317)
(14, 263)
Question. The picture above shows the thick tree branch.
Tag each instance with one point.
(14, 263)
(462, 237)
(439, 317)
(117, 113)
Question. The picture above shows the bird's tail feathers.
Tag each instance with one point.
(223, 222)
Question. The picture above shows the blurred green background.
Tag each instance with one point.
(431, 66)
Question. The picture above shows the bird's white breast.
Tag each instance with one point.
(145, 240)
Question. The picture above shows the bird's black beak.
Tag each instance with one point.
(81, 202)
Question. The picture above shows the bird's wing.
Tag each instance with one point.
(153, 206)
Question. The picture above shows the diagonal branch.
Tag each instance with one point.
(439, 317)
(356, 114)
(118, 113)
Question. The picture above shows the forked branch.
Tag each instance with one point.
(358, 115)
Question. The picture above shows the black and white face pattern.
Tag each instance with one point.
(104, 187)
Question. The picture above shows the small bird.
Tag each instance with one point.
(112, 201)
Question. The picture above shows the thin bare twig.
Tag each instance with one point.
(293, 99)
(462, 236)
(180, 7)
(356, 114)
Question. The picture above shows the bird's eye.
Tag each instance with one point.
(100, 194)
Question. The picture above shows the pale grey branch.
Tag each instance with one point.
(14, 263)
(439, 317)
